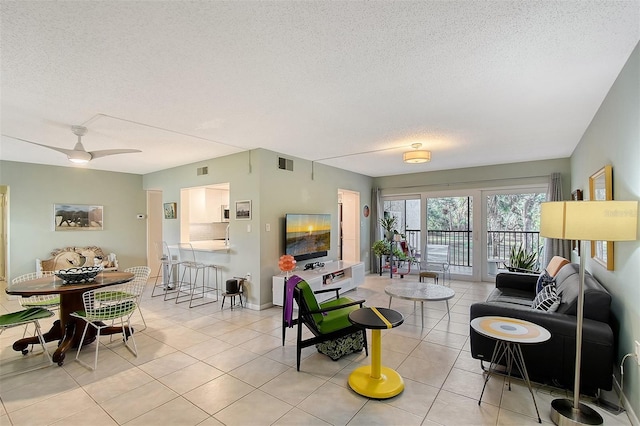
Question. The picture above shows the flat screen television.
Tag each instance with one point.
(307, 236)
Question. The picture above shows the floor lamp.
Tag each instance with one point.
(585, 221)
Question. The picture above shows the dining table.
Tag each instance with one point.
(67, 328)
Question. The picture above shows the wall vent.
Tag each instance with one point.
(285, 164)
(203, 171)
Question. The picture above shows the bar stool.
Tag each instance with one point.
(194, 268)
(165, 270)
(173, 263)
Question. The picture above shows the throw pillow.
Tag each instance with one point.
(547, 300)
(544, 280)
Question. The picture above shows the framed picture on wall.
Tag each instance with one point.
(576, 196)
(77, 217)
(601, 188)
(243, 210)
(170, 210)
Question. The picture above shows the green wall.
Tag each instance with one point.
(254, 176)
(613, 137)
(34, 189)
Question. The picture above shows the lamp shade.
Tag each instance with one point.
(589, 220)
(417, 156)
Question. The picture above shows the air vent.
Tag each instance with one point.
(203, 171)
(285, 164)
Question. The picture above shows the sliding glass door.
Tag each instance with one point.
(512, 221)
(479, 227)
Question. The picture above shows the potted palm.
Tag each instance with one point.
(389, 223)
(521, 260)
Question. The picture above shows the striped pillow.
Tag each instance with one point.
(547, 300)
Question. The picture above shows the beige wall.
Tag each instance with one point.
(613, 137)
(34, 189)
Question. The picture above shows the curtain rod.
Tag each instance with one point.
(463, 182)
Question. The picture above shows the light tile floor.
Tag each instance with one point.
(204, 366)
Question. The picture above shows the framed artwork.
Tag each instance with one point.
(77, 217)
(576, 196)
(601, 188)
(170, 210)
(243, 210)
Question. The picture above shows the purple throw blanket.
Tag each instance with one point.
(288, 299)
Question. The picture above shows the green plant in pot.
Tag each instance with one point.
(521, 260)
(389, 223)
(381, 248)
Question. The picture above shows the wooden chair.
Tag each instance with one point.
(327, 321)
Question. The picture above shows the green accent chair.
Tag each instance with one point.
(328, 321)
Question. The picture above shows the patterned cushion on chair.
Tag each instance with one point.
(341, 346)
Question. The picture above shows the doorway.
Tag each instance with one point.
(4, 190)
(154, 230)
(348, 225)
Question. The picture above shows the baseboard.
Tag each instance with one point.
(633, 417)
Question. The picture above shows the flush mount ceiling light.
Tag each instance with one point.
(417, 155)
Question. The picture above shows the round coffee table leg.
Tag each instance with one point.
(376, 381)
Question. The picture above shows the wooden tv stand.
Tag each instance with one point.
(334, 274)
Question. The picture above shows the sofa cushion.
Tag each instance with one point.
(511, 295)
(544, 280)
(547, 299)
(597, 300)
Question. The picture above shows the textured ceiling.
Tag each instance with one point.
(476, 83)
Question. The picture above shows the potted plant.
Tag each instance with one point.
(389, 223)
(520, 260)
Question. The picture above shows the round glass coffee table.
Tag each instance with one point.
(420, 292)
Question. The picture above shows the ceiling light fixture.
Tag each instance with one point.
(417, 155)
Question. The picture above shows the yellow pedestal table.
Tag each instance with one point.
(376, 381)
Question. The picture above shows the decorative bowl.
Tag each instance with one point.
(84, 274)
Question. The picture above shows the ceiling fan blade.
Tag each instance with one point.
(67, 152)
(105, 152)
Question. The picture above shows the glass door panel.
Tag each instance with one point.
(449, 221)
(512, 220)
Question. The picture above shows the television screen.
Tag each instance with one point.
(307, 235)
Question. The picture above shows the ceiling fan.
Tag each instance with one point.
(79, 155)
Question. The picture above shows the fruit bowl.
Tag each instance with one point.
(84, 274)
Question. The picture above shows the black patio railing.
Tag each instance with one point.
(460, 243)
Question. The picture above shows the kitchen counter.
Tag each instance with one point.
(210, 245)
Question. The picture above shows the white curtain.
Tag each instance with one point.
(377, 211)
(552, 246)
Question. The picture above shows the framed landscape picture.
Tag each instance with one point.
(170, 210)
(243, 210)
(77, 217)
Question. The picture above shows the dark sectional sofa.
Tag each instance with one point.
(553, 362)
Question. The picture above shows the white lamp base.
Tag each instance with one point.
(563, 414)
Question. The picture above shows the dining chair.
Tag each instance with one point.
(102, 311)
(46, 301)
(140, 277)
(24, 318)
